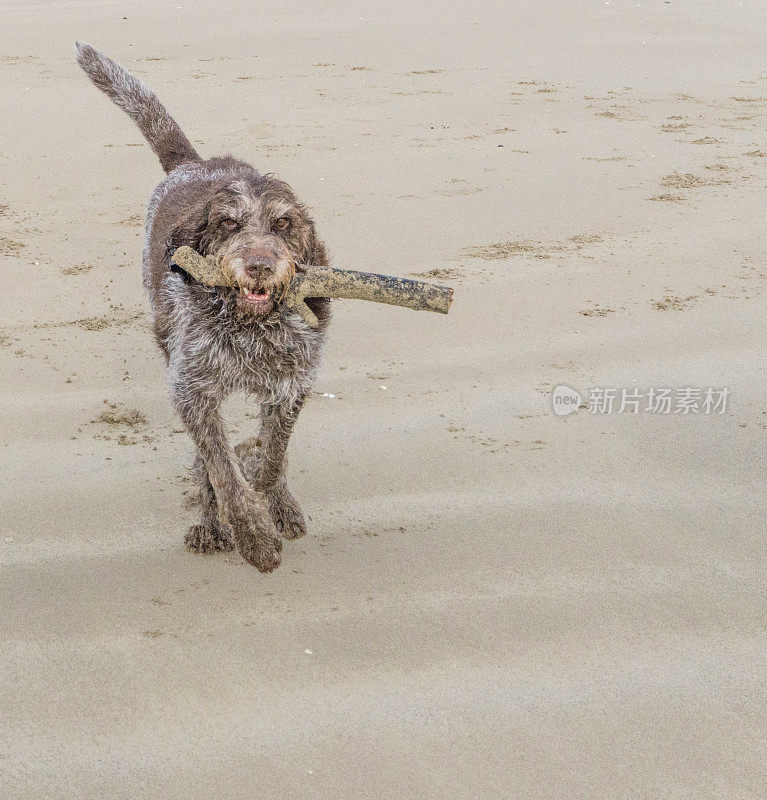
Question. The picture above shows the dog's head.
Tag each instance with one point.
(255, 227)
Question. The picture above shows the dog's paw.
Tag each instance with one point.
(257, 538)
(285, 511)
(207, 539)
(264, 556)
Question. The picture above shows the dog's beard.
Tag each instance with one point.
(252, 301)
(259, 301)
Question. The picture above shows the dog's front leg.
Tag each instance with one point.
(264, 463)
(209, 534)
(245, 510)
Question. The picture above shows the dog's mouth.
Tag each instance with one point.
(258, 301)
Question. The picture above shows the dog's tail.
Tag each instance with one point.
(141, 105)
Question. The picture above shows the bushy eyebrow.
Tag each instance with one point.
(233, 202)
(279, 208)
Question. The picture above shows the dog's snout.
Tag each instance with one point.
(261, 265)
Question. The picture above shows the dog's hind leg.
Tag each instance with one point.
(210, 534)
(264, 461)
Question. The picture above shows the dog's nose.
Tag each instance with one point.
(260, 266)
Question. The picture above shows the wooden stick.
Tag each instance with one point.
(328, 282)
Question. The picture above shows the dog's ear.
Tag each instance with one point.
(189, 232)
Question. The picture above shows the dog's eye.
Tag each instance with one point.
(230, 224)
(281, 224)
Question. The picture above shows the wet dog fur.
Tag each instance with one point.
(217, 341)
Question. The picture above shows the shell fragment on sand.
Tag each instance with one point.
(328, 282)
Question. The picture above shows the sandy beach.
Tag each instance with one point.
(492, 601)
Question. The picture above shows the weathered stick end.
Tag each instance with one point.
(298, 304)
(203, 270)
(351, 285)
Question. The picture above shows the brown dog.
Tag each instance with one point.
(217, 341)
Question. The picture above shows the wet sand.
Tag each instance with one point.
(492, 602)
